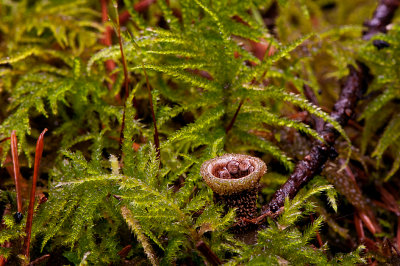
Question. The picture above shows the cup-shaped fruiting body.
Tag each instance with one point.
(234, 178)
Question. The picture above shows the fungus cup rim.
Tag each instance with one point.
(234, 185)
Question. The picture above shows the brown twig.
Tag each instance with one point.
(229, 127)
(14, 153)
(106, 40)
(126, 76)
(383, 15)
(156, 137)
(39, 260)
(29, 218)
(354, 86)
(208, 253)
(124, 251)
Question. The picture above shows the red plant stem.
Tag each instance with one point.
(106, 40)
(359, 228)
(138, 7)
(156, 138)
(14, 153)
(229, 127)
(3, 260)
(398, 232)
(319, 239)
(124, 251)
(29, 218)
(367, 221)
(126, 76)
(208, 253)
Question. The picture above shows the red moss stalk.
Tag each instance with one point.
(29, 219)
(208, 253)
(14, 153)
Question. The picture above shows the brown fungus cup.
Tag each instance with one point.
(234, 178)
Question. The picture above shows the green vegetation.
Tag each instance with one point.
(200, 62)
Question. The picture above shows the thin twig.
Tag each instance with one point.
(126, 76)
(29, 218)
(156, 138)
(208, 253)
(229, 127)
(14, 154)
(106, 40)
(39, 260)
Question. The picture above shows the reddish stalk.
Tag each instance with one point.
(229, 127)
(156, 138)
(318, 236)
(29, 218)
(359, 228)
(39, 260)
(398, 232)
(106, 40)
(126, 76)
(3, 260)
(208, 253)
(124, 251)
(138, 7)
(14, 153)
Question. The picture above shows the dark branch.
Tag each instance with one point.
(383, 15)
(355, 85)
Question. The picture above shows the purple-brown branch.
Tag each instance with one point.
(355, 85)
(29, 218)
(382, 17)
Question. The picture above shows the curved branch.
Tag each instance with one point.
(355, 85)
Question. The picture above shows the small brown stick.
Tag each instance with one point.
(126, 77)
(156, 137)
(398, 232)
(359, 228)
(318, 236)
(39, 260)
(229, 127)
(29, 218)
(106, 40)
(14, 153)
(124, 251)
(208, 253)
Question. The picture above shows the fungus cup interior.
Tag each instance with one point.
(210, 171)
